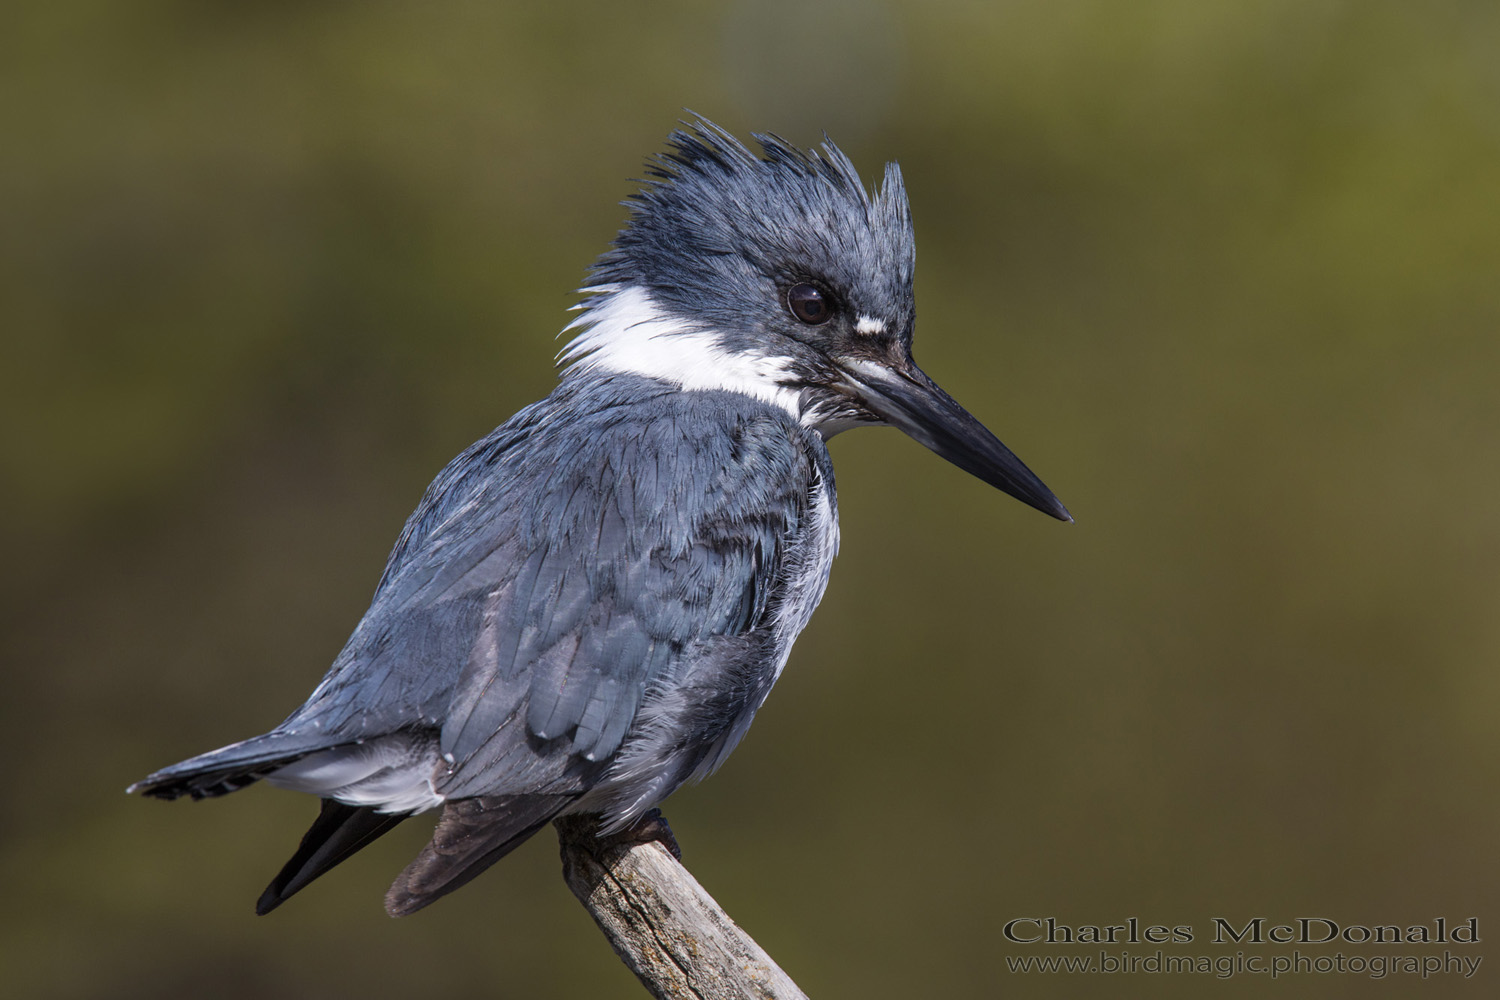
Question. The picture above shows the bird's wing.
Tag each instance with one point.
(558, 569)
(653, 545)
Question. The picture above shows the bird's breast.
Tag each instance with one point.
(809, 561)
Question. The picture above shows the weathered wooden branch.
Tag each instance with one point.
(661, 922)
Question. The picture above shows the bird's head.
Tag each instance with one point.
(780, 277)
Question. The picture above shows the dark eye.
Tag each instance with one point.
(809, 304)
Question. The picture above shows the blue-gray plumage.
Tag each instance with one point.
(590, 604)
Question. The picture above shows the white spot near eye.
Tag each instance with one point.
(869, 326)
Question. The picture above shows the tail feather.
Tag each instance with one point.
(472, 835)
(337, 833)
(230, 768)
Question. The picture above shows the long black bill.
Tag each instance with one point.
(908, 399)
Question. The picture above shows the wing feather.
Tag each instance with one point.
(559, 570)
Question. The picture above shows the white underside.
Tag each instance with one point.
(625, 331)
(393, 774)
(811, 579)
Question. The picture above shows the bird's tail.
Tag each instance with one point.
(472, 835)
(230, 768)
(337, 833)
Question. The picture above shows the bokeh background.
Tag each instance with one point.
(1227, 275)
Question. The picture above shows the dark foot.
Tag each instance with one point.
(652, 826)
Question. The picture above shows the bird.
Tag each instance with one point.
(590, 604)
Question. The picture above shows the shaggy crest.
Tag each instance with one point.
(714, 221)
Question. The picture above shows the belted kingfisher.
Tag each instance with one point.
(589, 604)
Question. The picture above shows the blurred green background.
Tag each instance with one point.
(1227, 275)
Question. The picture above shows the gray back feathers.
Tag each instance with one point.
(562, 566)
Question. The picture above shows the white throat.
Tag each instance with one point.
(625, 331)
